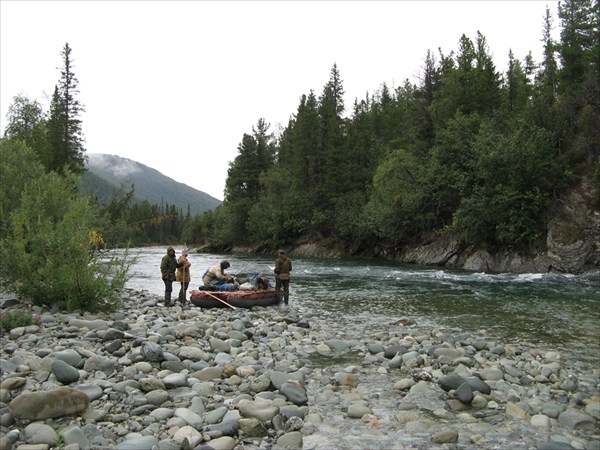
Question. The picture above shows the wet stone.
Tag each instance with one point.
(151, 377)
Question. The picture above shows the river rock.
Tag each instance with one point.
(514, 410)
(278, 378)
(215, 415)
(174, 380)
(188, 437)
(193, 354)
(208, 373)
(219, 345)
(261, 409)
(64, 373)
(593, 409)
(59, 402)
(339, 345)
(70, 356)
(96, 324)
(451, 381)
(540, 421)
(73, 436)
(492, 374)
(152, 352)
(13, 383)
(138, 443)
(464, 393)
(39, 433)
(575, 419)
(404, 384)
(112, 333)
(356, 411)
(294, 392)
(290, 440)
(445, 437)
(252, 427)
(189, 416)
(100, 363)
(478, 385)
(222, 443)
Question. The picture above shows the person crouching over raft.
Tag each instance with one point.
(183, 275)
(216, 275)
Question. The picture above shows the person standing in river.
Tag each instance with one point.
(168, 265)
(183, 275)
(283, 267)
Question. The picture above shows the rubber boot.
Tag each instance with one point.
(168, 299)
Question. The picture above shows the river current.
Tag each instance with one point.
(557, 311)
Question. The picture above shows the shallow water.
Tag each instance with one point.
(554, 311)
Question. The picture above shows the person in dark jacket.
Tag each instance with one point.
(283, 267)
(168, 265)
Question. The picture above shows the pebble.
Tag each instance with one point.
(154, 378)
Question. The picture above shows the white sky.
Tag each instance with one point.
(175, 85)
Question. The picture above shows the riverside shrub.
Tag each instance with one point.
(47, 255)
(15, 319)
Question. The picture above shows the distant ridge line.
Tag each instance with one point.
(106, 174)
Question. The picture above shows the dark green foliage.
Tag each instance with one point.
(466, 151)
(579, 44)
(242, 188)
(510, 186)
(64, 123)
(14, 319)
(517, 89)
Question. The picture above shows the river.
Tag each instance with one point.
(558, 311)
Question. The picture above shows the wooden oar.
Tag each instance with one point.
(218, 299)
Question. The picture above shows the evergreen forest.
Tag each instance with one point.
(470, 149)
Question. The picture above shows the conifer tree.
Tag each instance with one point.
(516, 86)
(579, 34)
(64, 124)
(547, 75)
(331, 136)
(430, 81)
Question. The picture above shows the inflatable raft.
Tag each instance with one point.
(237, 299)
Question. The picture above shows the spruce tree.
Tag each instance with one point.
(331, 137)
(64, 123)
(579, 34)
(516, 88)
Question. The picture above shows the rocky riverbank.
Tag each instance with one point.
(148, 377)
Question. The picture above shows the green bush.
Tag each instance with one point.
(15, 319)
(18, 166)
(48, 254)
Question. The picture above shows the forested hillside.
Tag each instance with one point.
(107, 174)
(481, 152)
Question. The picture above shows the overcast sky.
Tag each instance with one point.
(175, 85)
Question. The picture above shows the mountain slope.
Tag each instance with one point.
(106, 174)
